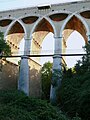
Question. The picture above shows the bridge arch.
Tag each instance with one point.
(45, 20)
(41, 28)
(79, 18)
(11, 25)
(39, 20)
(14, 35)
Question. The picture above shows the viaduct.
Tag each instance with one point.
(33, 23)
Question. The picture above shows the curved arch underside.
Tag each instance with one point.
(41, 30)
(75, 24)
(16, 28)
(44, 25)
(14, 37)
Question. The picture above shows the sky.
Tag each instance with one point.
(74, 43)
(15, 4)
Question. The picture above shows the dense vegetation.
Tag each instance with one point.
(46, 76)
(75, 88)
(74, 94)
(14, 105)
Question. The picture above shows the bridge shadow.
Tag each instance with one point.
(8, 75)
(35, 83)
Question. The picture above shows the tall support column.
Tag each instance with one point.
(89, 48)
(89, 39)
(23, 83)
(57, 71)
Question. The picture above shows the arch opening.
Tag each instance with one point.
(10, 69)
(40, 39)
(49, 49)
(75, 44)
(14, 37)
(5, 22)
(41, 31)
(74, 28)
(75, 24)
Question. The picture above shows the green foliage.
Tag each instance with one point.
(14, 105)
(75, 89)
(46, 76)
(84, 65)
(75, 95)
(4, 47)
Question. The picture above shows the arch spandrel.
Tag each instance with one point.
(85, 14)
(29, 19)
(5, 22)
(14, 36)
(58, 17)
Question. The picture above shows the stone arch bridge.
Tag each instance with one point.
(33, 23)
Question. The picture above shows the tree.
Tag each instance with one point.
(46, 76)
(74, 92)
(4, 47)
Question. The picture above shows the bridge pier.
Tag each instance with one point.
(23, 82)
(57, 71)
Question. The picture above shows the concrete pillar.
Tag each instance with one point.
(57, 71)
(89, 39)
(89, 48)
(23, 83)
(27, 46)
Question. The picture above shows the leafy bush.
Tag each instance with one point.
(4, 47)
(75, 95)
(14, 105)
(46, 76)
(75, 89)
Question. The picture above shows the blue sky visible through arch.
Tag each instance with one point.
(74, 43)
(47, 48)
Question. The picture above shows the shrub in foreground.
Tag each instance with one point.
(14, 105)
